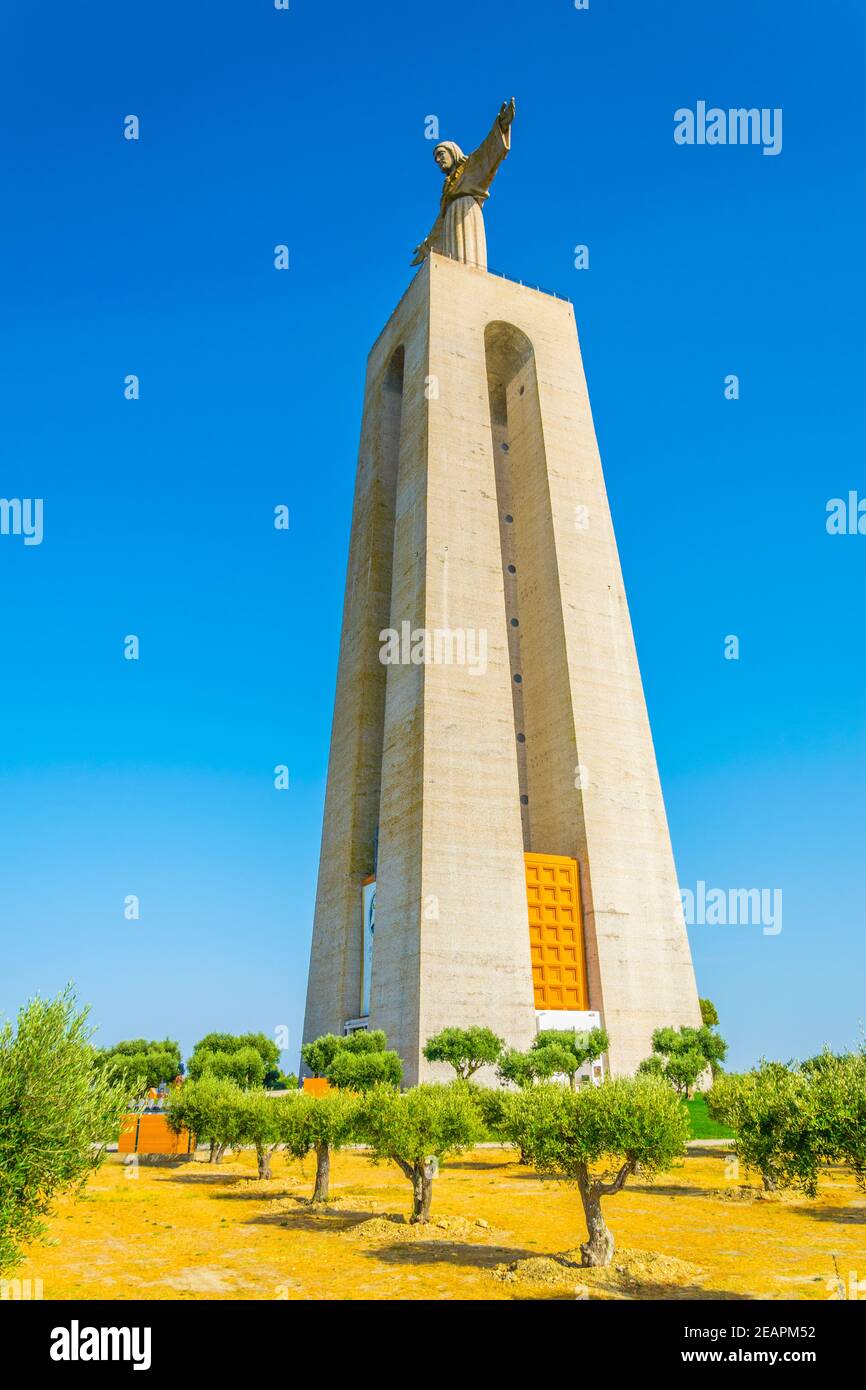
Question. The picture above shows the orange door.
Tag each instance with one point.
(556, 932)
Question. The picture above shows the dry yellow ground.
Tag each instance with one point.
(192, 1231)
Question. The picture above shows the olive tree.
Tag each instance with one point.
(318, 1123)
(236, 1042)
(772, 1113)
(361, 1071)
(243, 1065)
(139, 1062)
(709, 1013)
(564, 1052)
(416, 1129)
(465, 1049)
(519, 1068)
(356, 1062)
(596, 1137)
(789, 1120)
(58, 1110)
(318, 1055)
(839, 1087)
(258, 1124)
(490, 1102)
(248, 1059)
(681, 1055)
(210, 1109)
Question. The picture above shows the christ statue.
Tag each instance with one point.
(458, 231)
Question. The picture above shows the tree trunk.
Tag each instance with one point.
(769, 1180)
(323, 1172)
(422, 1192)
(263, 1158)
(597, 1251)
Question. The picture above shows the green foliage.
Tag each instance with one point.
(209, 1107)
(709, 1013)
(563, 1052)
(361, 1071)
(356, 1062)
(430, 1119)
(554, 1052)
(625, 1121)
(306, 1121)
(491, 1106)
(245, 1058)
(596, 1137)
(141, 1064)
(771, 1111)
(235, 1042)
(519, 1068)
(365, 1040)
(417, 1128)
(839, 1085)
(244, 1066)
(322, 1123)
(257, 1125)
(276, 1080)
(684, 1068)
(58, 1109)
(652, 1066)
(555, 1059)
(685, 1054)
(318, 1055)
(789, 1120)
(465, 1049)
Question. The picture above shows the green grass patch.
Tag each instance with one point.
(703, 1127)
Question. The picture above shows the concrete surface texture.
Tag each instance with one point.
(509, 716)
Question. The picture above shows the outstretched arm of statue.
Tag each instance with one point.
(484, 161)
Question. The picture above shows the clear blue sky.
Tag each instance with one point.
(156, 258)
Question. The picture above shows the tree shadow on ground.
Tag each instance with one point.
(662, 1189)
(845, 1216)
(477, 1167)
(686, 1293)
(517, 1170)
(259, 1193)
(214, 1179)
(309, 1218)
(432, 1252)
(455, 1252)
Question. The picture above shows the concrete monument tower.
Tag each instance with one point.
(495, 848)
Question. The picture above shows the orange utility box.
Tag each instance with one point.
(317, 1085)
(556, 932)
(150, 1134)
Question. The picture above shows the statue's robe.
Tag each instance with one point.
(458, 231)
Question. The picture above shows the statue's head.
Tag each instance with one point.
(448, 156)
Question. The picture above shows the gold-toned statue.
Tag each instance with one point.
(458, 231)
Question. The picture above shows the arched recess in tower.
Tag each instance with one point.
(386, 446)
(543, 716)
